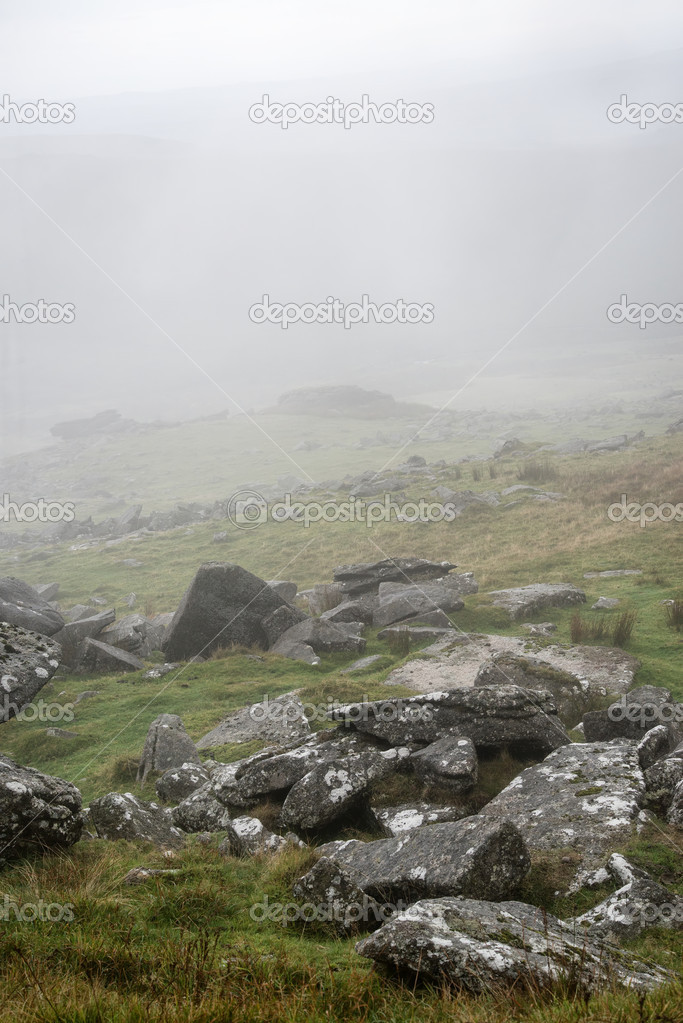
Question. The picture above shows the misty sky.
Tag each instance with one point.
(163, 213)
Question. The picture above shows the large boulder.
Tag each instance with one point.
(224, 604)
(22, 605)
(413, 601)
(278, 720)
(136, 634)
(394, 821)
(37, 811)
(279, 621)
(572, 696)
(586, 797)
(523, 601)
(479, 945)
(334, 896)
(492, 717)
(366, 577)
(333, 789)
(633, 715)
(247, 836)
(96, 656)
(122, 815)
(201, 811)
(450, 763)
(27, 662)
(167, 745)
(321, 636)
(71, 637)
(178, 783)
(475, 857)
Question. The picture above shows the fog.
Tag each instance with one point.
(162, 213)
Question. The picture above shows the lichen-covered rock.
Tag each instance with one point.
(328, 893)
(27, 662)
(493, 717)
(586, 797)
(278, 720)
(321, 636)
(524, 601)
(474, 857)
(450, 763)
(178, 783)
(122, 815)
(201, 811)
(397, 820)
(37, 811)
(481, 945)
(247, 836)
(367, 577)
(22, 605)
(167, 745)
(333, 789)
(633, 716)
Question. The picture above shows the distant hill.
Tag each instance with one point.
(343, 400)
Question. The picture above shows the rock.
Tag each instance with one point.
(656, 744)
(332, 893)
(632, 716)
(224, 604)
(220, 537)
(296, 651)
(260, 775)
(323, 597)
(663, 777)
(87, 694)
(48, 591)
(277, 720)
(412, 601)
(162, 669)
(224, 783)
(201, 811)
(167, 745)
(122, 815)
(586, 797)
(523, 601)
(613, 573)
(23, 606)
(138, 875)
(365, 578)
(331, 790)
(60, 733)
(604, 604)
(284, 589)
(675, 812)
(473, 857)
(136, 634)
(27, 662)
(638, 904)
(540, 628)
(450, 763)
(100, 657)
(492, 717)
(320, 636)
(280, 621)
(419, 634)
(571, 696)
(37, 811)
(73, 634)
(247, 836)
(349, 611)
(480, 945)
(397, 820)
(178, 783)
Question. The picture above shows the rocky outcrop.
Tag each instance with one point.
(27, 662)
(37, 811)
(167, 745)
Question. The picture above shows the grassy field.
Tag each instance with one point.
(183, 946)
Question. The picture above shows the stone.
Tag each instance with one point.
(27, 662)
(73, 634)
(331, 790)
(247, 836)
(37, 811)
(201, 811)
(320, 636)
(522, 601)
(449, 763)
(167, 745)
(604, 604)
(474, 857)
(279, 621)
(100, 657)
(366, 578)
(23, 606)
(122, 815)
(330, 890)
(632, 716)
(277, 720)
(284, 589)
(480, 945)
(395, 821)
(180, 782)
(223, 605)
